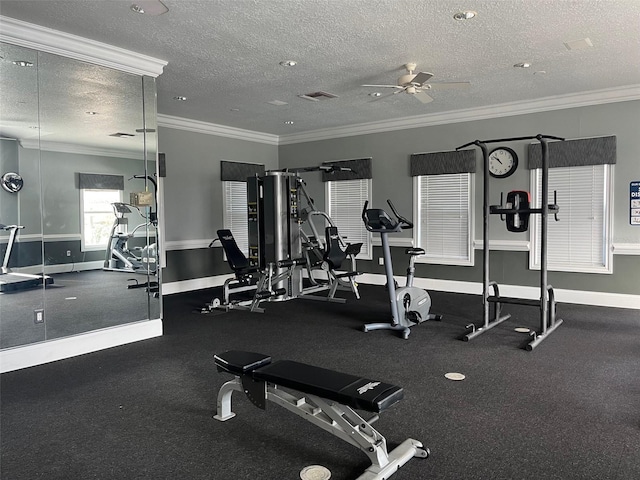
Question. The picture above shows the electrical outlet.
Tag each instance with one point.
(38, 315)
(380, 260)
(68, 253)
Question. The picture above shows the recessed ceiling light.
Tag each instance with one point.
(91, 113)
(234, 109)
(578, 44)
(277, 103)
(288, 63)
(522, 65)
(288, 122)
(375, 94)
(540, 72)
(22, 63)
(137, 9)
(466, 15)
(180, 98)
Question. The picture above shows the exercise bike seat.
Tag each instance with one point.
(414, 251)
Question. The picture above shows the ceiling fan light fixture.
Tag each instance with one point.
(149, 7)
(465, 15)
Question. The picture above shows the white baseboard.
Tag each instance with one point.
(53, 350)
(194, 284)
(61, 268)
(580, 297)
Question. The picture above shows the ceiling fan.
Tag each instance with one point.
(416, 84)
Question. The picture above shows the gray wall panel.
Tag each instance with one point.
(391, 150)
(192, 187)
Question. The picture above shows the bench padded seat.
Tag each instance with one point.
(373, 396)
(240, 362)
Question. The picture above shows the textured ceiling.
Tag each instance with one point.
(224, 55)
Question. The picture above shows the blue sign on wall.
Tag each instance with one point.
(634, 203)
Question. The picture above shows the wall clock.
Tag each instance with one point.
(503, 161)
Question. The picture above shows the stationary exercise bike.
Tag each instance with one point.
(409, 305)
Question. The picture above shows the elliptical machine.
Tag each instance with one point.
(409, 305)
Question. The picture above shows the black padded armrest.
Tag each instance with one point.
(239, 362)
(351, 390)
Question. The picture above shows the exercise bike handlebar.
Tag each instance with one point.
(404, 223)
(377, 220)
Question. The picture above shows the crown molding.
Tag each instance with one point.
(80, 149)
(213, 129)
(558, 102)
(44, 39)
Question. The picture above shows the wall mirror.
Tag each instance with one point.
(83, 139)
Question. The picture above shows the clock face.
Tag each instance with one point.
(502, 162)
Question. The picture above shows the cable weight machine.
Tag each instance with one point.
(517, 212)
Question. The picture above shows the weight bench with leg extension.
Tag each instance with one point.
(326, 398)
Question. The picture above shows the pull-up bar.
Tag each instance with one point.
(547, 304)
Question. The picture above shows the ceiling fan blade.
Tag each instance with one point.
(423, 97)
(447, 85)
(421, 77)
(382, 86)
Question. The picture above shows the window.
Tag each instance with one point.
(580, 241)
(345, 200)
(97, 217)
(444, 223)
(235, 213)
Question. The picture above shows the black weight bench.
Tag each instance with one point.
(325, 398)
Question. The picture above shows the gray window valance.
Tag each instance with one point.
(238, 171)
(575, 153)
(360, 168)
(96, 181)
(438, 163)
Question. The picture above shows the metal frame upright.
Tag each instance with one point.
(546, 302)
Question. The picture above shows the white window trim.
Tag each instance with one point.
(368, 255)
(470, 261)
(607, 268)
(225, 216)
(93, 248)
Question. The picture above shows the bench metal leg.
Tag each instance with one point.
(224, 412)
(339, 420)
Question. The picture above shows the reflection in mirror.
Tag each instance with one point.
(153, 184)
(21, 237)
(91, 153)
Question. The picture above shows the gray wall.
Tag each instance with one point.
(193, 195)
(54, 175)
(390, 152)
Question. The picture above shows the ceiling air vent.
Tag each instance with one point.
(317, 96)
(122, 135)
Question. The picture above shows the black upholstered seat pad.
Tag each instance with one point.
(351, 390)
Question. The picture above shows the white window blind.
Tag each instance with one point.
(444, 221)
(235, 213)
(345, 201)
(98, 217)
(580, 241)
